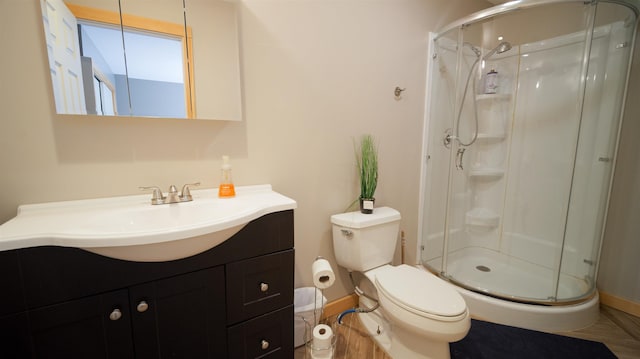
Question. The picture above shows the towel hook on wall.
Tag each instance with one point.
(398, 91)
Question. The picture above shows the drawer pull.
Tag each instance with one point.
(142, 307)
(264, 287)
(264, 344)
(115, 315)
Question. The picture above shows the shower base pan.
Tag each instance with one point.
(532, 316)
(484, 278)
(503, 276)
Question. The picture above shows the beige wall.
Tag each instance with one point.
(619, 271)
(317, 73)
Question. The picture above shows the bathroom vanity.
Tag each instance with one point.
(234, 300)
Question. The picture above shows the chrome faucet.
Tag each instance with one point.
(172, 196)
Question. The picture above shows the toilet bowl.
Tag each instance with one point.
(419, 314)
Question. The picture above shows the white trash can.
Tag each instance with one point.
(306, 300)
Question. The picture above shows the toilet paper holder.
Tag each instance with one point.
(321, 347)
(323, 275)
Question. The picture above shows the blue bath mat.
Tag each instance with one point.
(494, 341)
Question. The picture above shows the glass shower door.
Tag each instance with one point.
(480, 145)
(442, 107)
(515, 186)
(518, 173)
(610, 51)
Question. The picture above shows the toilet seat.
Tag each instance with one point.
(420, 293)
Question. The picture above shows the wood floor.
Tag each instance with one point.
(619, 331)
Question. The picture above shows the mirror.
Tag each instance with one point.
(150, 58)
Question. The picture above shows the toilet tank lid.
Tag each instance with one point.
(380, 215)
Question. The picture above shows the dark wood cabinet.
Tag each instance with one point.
(14, 336)
(234, 300)
(180, 317)
(11, 282)
(82, 329)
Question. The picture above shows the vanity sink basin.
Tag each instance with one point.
(130, 228)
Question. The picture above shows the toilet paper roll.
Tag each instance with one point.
(322, 335)
(323, 276)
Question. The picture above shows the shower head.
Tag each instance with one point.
(502, 47)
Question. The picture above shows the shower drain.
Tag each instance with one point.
(483, 268)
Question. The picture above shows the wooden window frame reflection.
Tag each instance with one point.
(150, 25)
(99, 75)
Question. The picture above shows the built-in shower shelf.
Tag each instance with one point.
(493, 97)
(485, 172)
(482, 218)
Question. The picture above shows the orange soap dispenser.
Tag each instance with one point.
(226, 188)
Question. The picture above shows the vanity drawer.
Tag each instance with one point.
(259, 285)
(267, 336)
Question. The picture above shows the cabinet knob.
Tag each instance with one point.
(115, 314)
(142, 306)
(264, 344)
(264, 287)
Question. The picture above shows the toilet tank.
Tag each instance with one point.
(365, 241)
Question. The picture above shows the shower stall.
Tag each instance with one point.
(523, 116)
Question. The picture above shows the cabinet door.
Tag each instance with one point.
(14, 337)
(11, 284)
(181, 317)
(94, 327)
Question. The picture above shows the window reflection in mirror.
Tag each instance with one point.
(100, 67)
(216, 82)
(151, 84)
(159, 66)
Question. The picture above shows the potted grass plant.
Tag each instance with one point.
(367, 161)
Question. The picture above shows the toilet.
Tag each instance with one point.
(419, 313)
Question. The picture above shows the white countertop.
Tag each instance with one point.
(133, 221)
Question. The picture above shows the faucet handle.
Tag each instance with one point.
(157, 197)
(186, 192)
